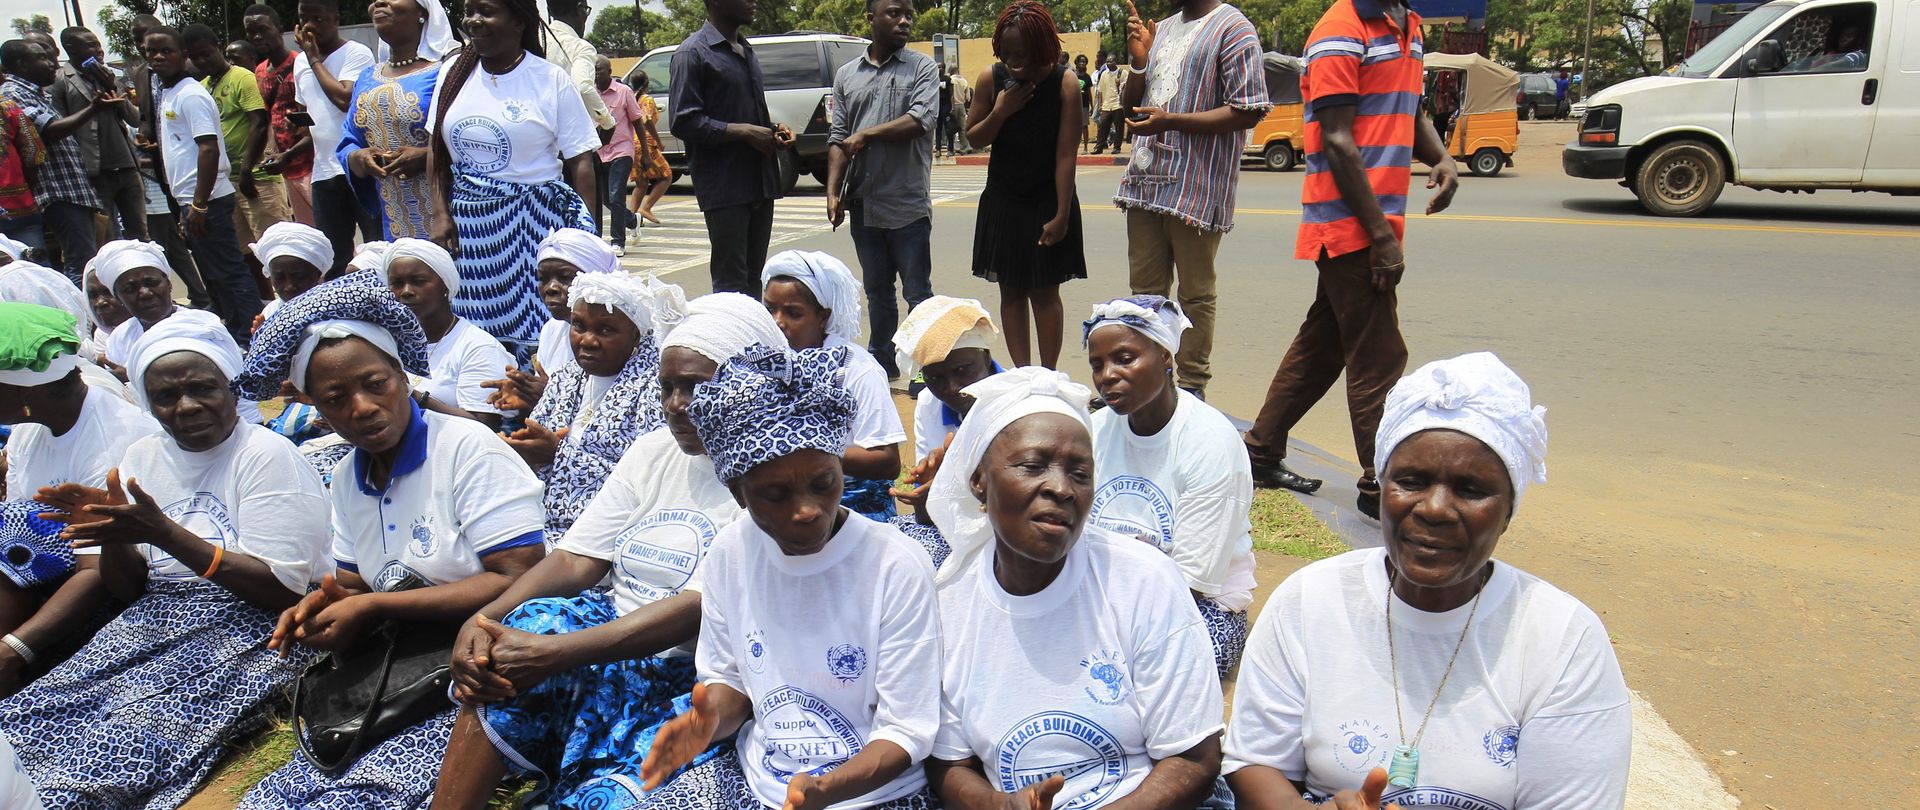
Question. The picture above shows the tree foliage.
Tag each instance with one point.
(26, 25)
(621, 31)
(114, 21)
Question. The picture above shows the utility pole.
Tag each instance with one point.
(1586, 56)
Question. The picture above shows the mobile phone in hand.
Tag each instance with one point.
(300, 118)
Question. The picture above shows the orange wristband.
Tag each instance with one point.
(218, 552)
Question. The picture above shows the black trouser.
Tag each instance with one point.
(739, 234)
(224, 270)
(337, 213)
(124, 200)
(1110, 122)
(70, 226)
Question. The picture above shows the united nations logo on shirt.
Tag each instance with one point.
(1135, 507)
(1060, 743)
(1108, 671)
(757, 652)
(847, 662)
(1361, 746)
(1503, 745)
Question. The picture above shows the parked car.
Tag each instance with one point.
(1537, 98)
(1798, 95)
(797, 68)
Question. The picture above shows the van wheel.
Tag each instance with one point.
(1680, 179)
(1486, 162)
(1280, 157)
(1526, 112)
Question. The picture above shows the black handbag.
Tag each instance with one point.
(346, 703)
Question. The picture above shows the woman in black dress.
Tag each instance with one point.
(1027, 236)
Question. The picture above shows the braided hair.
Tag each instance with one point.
(1033, 24)
(463, 66)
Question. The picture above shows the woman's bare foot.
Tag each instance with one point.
(647, 214)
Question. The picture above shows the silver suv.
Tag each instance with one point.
(798, 70)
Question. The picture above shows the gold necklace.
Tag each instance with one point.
(495, 77)
(1404, 770)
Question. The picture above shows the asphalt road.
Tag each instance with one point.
(1731, 407)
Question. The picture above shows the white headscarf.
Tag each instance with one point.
(999, 401)
(830, 280)
(721, 325)
(432, 255)
(1475, 394)
(937, 327)
(369, 256)
(581, 249)
(23, 282)
(1154, 316)
(436, 37)
(12, 247)
(331, 330)
(117, 257)
(303, 242)
(186, 330)
(669, 304)
(615, 291)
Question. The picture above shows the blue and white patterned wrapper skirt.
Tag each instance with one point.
(397, 774)
(500, 224)
(141, 714)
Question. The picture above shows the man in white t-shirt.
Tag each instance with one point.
(323, 76)
(187, 122)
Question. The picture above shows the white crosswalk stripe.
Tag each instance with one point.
(679, 242)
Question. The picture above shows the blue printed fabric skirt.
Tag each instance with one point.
(140, 715)
(927, 535)
(397, 774)
(869, 496)
(584, 733)
(1228, 629)
(500, 224)
(720, 784)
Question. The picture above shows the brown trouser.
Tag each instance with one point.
(1156, 245)
(1350, 327)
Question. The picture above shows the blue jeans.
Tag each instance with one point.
(71, 225)
(613, 194)
(884, 253)
(224, 270)
(27, 229)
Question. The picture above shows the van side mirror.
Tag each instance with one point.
(1766, 57)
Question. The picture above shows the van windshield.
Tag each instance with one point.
(1704, 61)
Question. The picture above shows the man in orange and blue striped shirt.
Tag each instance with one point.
(1364, 126)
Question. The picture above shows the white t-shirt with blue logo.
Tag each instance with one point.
(516, 126)
(107, 426)
(876, 422)
(253, 494)
(1186, 491)
(459, 495)
(654, 519)
(460, 362)
(835, 650)
(1095, 678)
(1535, 715)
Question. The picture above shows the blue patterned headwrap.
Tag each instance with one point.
(358, 296)
(1159, 319)
(31, 551)
(768, 402)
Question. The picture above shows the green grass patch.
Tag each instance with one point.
(252, 760)
(1284, 525)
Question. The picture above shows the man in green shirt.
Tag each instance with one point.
(244, 129)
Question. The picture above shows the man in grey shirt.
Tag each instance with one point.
(105, 145)
(879, 166)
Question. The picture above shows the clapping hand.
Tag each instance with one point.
(1368, 796)
(536, 444)
(1037, 796)
(921, 477)
(118, 520)
(338, 624)
(518, 391)
(680, 740)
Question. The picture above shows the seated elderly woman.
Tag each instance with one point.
(65, 431)
(1427, 673)
(137, 274)
(1077, 670)
(947, 341)
(1191, 502)
(817, 624)
(461, 357)
(571, 687)
(433, 516)
(208, 531)
(603, 399)
(816, 301)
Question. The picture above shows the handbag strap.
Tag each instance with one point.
(373, 708)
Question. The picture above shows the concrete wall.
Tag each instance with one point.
(976, 55)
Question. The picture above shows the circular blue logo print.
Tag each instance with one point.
(1066, 744)
(1503, 745)
(803, 734)
(1135, 507)
(1362, 746)
(657, 555)
(614, 792)
(1108, 671)
(480, 144)
(757, 652)
(847, 662)
(422, 536)
(204, 514)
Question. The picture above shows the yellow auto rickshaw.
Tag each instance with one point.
(1471, 100)
(1277, 139)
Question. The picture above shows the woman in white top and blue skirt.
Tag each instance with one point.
(209, 531)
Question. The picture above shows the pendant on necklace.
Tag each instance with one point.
(1404, 769)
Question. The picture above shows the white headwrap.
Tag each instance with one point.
(23, 282)
(117, 257)
(1158, 318)
(436, 38)
(724, 324)
(937, 327)
(186, 330)
(369, 256)
(579, 248)
(1475, 394)
(669, 304)
(13, 247)
(330, 330)
(303, 242)
(616, 291)
(831, 282)
(999, 401)
(432, 255)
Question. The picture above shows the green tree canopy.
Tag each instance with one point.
(26, 25)
(621, 31)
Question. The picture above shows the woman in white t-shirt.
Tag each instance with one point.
(1077, 671)
(816, 300)
(65, 431)
(585, 728)
(433, 517)
(947, 343)
(819, 643)
(208, 531)
(1172, 471)
(511, 160)
(562, 256)
(461, 357)
(1427, 673)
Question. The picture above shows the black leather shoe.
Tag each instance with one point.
(1369, 504)
(1277, 476)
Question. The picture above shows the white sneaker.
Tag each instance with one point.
(607, 239)
(619, 250)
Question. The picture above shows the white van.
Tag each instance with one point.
(1798, 95)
